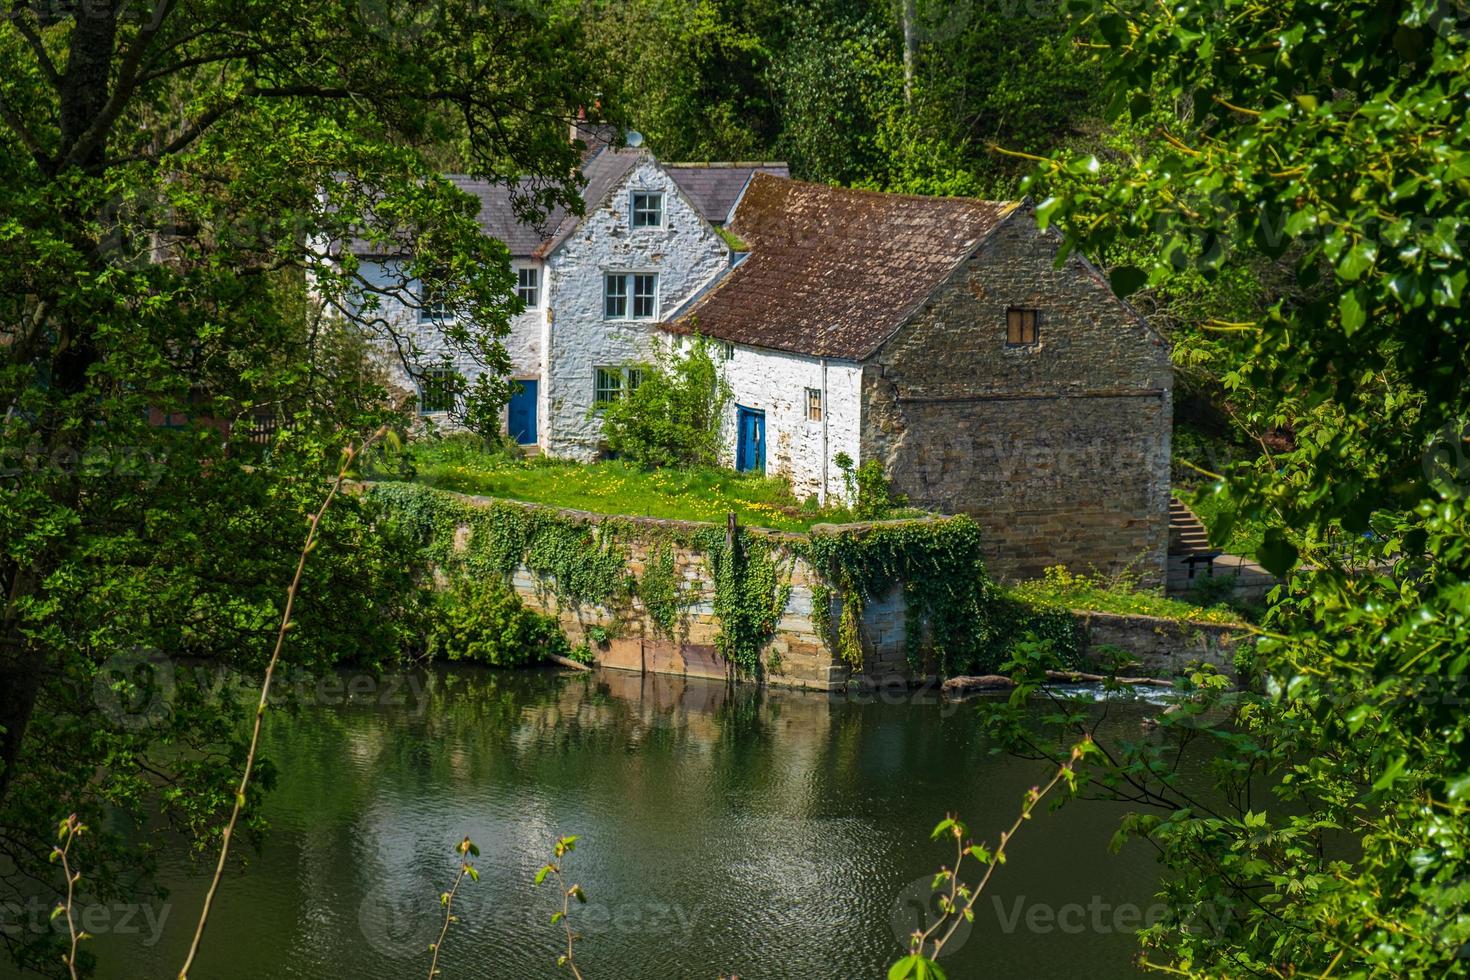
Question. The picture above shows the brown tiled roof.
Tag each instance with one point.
(714, 188)
(834, 272)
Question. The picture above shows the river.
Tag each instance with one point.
(722, 831)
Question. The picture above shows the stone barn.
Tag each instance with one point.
(941, 337)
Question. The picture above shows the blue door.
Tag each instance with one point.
(750, 439)
(522, 413)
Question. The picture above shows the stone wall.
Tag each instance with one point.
(1165, 648)
(1060, 450)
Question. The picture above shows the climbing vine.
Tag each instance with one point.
(659, 588)
(750, 592)
(580, 561)
(954, 609)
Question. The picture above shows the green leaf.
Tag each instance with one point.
(1353, 310)
(1127, 280)
(1276, 554)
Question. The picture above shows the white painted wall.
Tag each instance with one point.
(776, 383)
(686, 253)
(525, 344)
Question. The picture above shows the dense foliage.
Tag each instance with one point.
(172, 392)
(1328, 143)
(482, 620)
(673, 416)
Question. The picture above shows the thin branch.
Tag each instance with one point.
(265, 689)
(466, 849)
(71, 829)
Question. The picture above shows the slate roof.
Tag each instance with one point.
(499, 220)
(833, 272)
(713, 188)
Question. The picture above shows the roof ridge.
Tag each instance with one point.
(727, 164)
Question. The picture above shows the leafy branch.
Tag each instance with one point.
(957, 899)
(564, 846)
(67, 832)
(466, 850)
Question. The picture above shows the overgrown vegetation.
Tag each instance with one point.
(1077, 590)
(483, 621)
(672, 416)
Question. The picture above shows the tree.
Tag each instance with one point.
(1325, 139)
(172, 179)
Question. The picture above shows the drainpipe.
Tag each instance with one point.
(822, 497)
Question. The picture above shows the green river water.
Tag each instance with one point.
(723, 831)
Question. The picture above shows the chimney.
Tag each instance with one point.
(594, 136)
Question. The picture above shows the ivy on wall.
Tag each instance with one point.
(954, 609)
(580, 562)
(958, 620)
(750, 593)
(659, 588)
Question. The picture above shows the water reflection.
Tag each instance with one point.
(765, 833)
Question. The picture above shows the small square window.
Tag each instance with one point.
(607, 385)
(726, 350)
(528, 286)
(436, 389)
(635, 378)
(1021, 327)
(645, 296)
(648, 209)
(432, 305)
(814, 404)
(615, 297)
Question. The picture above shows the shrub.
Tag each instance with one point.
(868, 489)
(672, 418)
(484, 621)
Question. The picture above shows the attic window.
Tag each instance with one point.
(1021, 327)
(648, 209)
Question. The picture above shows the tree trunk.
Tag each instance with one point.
(908, 14)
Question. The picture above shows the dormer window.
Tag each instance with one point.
(648, 209)
(1021, 329)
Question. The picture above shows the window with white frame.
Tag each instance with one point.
(645, 296)
(436, 389)
(647, 209)
(432, 304)
(630, 296)
(814, 404)
(610, 384)
(528, 286)
(607, 385)
(726, 350)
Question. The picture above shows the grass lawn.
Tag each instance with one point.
(462, 464)
(1062, 588)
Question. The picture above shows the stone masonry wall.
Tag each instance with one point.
(1059, 450)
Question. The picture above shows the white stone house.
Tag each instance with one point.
(938, 336)
(596, 289)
